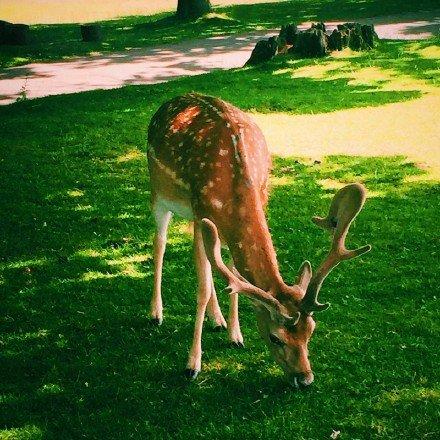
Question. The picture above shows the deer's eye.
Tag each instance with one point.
(276, 340)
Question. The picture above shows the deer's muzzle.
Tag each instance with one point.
(301, 380)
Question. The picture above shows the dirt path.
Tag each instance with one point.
(160, 64)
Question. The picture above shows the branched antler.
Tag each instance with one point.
(345, 206)
(236, 282)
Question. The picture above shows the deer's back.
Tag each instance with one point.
(209, 152)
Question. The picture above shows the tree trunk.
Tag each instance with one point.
(188, 9)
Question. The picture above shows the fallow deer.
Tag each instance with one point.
(209, 162)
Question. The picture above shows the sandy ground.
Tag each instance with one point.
(160, 64)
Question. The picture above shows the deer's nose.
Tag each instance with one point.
(305, 379)
(301, 380)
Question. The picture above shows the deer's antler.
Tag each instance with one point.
(345, 206)
(236, 282)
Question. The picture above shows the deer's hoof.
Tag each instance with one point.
(156, 321)
(191, 374)
(237, 344)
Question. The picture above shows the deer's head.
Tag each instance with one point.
(284, 314)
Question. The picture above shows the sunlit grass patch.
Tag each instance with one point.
(366, 70)
(33, 262)
(320, 70)
(94, 275)
(140, 258)
(80, 207)
(279, 181)
(27, 336)
(28, 432)
(51, 388)
(130, 155)
(420, 49)
(410, 395)
(75, 193)
(214, 17)
(331, 184)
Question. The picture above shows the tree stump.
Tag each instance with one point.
(369, 35)
(355, 40)
(314, 42)
(335, 40)
(287, 37)
(319, 25)
(90, 32)
(310, 43)
(190, 9)
(350, 26)
(14, 34)
(4, 31)
(289, 33)
(264, 51)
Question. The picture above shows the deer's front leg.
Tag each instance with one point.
(204, 276)
(214, 310)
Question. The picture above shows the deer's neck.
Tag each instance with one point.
(252, 249)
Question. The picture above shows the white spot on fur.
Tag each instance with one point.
(223, 152)
(217, 203)
(234, 140)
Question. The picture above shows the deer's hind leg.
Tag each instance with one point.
(162, 218)
(204, 291)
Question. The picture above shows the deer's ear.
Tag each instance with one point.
(304, 275)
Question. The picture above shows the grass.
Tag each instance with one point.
(59, 41)
(79, 357)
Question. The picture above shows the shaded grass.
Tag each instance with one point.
(53, 42)
(79, 357)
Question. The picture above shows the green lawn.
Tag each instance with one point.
(79, 356)
(53, 42)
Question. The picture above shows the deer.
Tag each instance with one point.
(209, 163)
